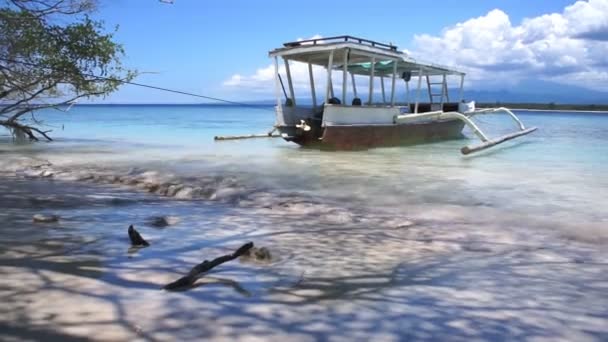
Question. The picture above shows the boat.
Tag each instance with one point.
(351, 120)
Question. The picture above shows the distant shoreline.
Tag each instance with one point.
(561, 110)
(548, 107)
(530, 107)
(549, 110)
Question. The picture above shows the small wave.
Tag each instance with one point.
(218, 188)
(166, 184)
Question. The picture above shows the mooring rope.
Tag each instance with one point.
(260, 107)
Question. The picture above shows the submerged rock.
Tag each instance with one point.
(40, 218)
(163, 221)
(258, 254)
(47, 173)
(405, 224)
(84, 176)
(173, 189)
(262, 254)
(476, 248)
(184, 193)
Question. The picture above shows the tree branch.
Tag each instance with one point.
(45, 58)
(45, 8)
(28, 130)
(32, 96)
(206, 266)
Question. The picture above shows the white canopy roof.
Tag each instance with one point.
(358, 53)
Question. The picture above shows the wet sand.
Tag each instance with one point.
(339, 273)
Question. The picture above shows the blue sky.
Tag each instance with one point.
(197, 45)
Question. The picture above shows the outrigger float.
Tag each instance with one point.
(336, 125)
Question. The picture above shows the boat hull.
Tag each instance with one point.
(362, 137)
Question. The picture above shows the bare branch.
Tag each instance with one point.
(25, 100)
(28, 130)
(40, 8)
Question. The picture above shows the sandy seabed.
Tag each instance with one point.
(339, 273)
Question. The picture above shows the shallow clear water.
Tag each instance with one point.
(508, 243)
(561, 170)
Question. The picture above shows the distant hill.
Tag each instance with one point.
(537, 91)
(529, 91)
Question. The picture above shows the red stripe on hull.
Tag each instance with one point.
(365, 137)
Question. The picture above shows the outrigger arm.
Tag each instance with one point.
(485, 141)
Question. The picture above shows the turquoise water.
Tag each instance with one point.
(555, 178)
(415, 242)
(562, 168)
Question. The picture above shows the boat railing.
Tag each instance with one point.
(337, 39)
(466, 118)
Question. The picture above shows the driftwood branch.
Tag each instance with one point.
(136, 239)
(198, 270)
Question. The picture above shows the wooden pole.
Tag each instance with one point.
(493, 142)
(393, 83)
(312, 86)
(371, 82)
(461, 94)
(428, 85)
(344, 75)
(443, 89)
(330, 65)
(289, 80)
(407, 93)
(277, 83)
(418, 94)
(447, 93)
(249, 136)
(382, 87)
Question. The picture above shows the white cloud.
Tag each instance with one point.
(568, 47)
(565, 47)
(262, 81)
(588, 19)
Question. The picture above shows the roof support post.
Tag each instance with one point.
(407, 93)
(444, 89)
(352, 77)
(393, 83)
(371, 82)
(291, 93)
(418, 93)
(382, 87)
(312, 86)
(277, 85)
(344, 74)
(329, 88)
(460, 93)
(428, 85)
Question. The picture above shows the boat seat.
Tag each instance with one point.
(356, 101)
(334, 100)
(450, 107)
(422, 107)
